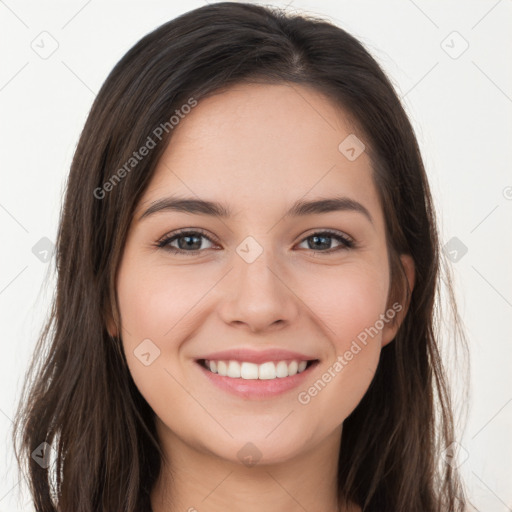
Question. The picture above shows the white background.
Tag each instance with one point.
(461, 110)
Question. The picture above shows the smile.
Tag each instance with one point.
(251, 381)
(252, 371)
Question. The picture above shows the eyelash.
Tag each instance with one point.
(346, 243)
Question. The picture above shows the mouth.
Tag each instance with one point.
(251, 371)
(255, 382)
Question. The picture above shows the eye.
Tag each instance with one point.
(185, 240)
(322, 239)
(190, 242)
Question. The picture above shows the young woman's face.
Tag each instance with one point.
(258, 279)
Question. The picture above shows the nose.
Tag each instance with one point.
(258, 295)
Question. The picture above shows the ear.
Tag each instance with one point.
(110, 323)
(401, 306)
(111, 328)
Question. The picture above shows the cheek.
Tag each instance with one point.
(349, 306)
(148, 305)
(153, 300)
(165, 305)
(156, 307)
(347, 299)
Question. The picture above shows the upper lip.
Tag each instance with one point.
(256, 356)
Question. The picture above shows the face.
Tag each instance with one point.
(313, 281)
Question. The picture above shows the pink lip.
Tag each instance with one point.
(257, 356)
(257, 389)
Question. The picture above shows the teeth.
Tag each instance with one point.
(233, 370)
(267, 371)
(222, 368)
(252, 371)
(248, 370)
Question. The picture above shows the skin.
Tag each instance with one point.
(256, 148)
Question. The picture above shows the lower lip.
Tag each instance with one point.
(256, 389)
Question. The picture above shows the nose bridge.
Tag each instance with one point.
(257, 295)
(255, 265)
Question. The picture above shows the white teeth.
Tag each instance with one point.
(222, 368)
(267, 371)
(248, 371)
(233, 370)
(252, 371)
(282, 369)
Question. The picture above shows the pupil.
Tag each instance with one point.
(316, 238)
(188, 245)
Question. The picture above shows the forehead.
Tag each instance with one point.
(261, 144)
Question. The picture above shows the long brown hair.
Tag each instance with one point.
(101, 451)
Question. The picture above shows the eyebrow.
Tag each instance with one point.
(299, 209)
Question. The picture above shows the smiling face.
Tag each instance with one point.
(258, 278)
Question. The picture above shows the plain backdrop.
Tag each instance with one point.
(451, 65)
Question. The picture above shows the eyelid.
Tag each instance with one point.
(184, 231)
(329, 231)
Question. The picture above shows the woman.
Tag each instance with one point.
(291, 363)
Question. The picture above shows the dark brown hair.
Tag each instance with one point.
(79, 396)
